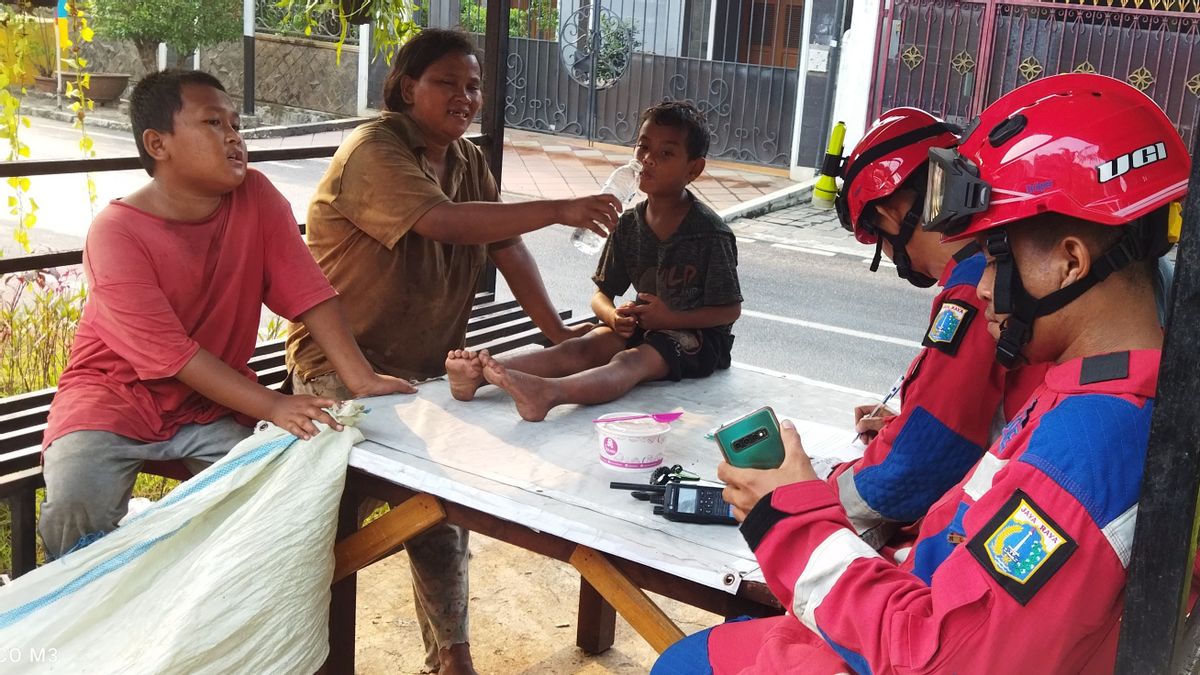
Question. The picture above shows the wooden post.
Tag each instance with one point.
(1160, 569)
(597, 620)
(24, 531)
(343, 598)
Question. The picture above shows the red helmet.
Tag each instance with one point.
(1083, 146)
(1086, 146)
(895, 146)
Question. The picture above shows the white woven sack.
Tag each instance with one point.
(229, 573)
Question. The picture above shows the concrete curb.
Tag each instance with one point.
(58, 115)
(252, 133)
(769, 203)
(303, 129)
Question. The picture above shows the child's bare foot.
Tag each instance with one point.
(464, 370)
(529, 392)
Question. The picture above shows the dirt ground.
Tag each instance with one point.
(523, 609)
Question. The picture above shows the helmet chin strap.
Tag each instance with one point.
(1011, 298)
(900, 257)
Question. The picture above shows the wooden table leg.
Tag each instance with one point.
(597, 620)
(21, 510)
(627, 599)
(385, 534)
(342, 599)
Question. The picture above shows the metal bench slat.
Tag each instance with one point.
(19, 459)
(24, 418)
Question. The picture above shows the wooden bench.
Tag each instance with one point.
(497, 325)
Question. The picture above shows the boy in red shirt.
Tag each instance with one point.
(177, 275)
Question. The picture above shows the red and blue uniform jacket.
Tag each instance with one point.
(954, 392)
(1020, 568)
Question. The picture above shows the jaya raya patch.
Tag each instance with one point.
(949, 325)
(1021, 547)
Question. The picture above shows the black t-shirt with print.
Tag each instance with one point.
(695, 267)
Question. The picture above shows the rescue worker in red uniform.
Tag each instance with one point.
(1068, 183)
(939, 435)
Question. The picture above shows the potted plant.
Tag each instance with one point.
(39, 28)
(392, 21)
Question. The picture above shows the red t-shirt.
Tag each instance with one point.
(159, 291)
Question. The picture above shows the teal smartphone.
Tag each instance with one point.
(752, 441)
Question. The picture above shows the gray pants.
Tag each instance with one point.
(438, 558)
(90, 475)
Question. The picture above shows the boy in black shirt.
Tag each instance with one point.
(680, 258)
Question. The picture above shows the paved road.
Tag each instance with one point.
(825, 317)
(812, 308)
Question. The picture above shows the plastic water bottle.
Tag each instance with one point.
(622, 183)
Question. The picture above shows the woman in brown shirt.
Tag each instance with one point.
(402, 223)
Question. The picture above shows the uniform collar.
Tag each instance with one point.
(1077, 377)
(410, 132)
(964, 253)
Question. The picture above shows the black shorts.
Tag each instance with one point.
(688, 353)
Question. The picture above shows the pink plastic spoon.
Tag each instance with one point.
(657, 417)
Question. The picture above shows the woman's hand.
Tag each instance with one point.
(745, 487)
(597, 213)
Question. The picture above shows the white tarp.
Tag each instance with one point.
(229, 573)
(547, 475)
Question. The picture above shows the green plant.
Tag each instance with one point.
(273, 329)
(186, 25)
(393, 22)
(545, 19)
(538, 21)
(41, 47)
(39, 312)
(79, 32)
(618, 40)
(12, 90)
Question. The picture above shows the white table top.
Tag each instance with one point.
(547, 475)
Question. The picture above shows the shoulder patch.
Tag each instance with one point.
(1021, 547)
(949, 325)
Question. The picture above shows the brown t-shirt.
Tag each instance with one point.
(406, 298)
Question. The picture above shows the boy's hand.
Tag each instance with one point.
(652, 313)
(378, 385)
(597, 213)
(745, 487)
(295, 414)
(623, 322)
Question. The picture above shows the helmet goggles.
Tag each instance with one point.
(954, 193)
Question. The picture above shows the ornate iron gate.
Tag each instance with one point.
(954, 57)
(737, 60)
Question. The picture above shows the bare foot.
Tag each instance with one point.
(464, 370)
(531, 393)
(456, 660)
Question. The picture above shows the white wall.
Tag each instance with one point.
(856, 68)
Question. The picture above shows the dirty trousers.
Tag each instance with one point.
(438, 557)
